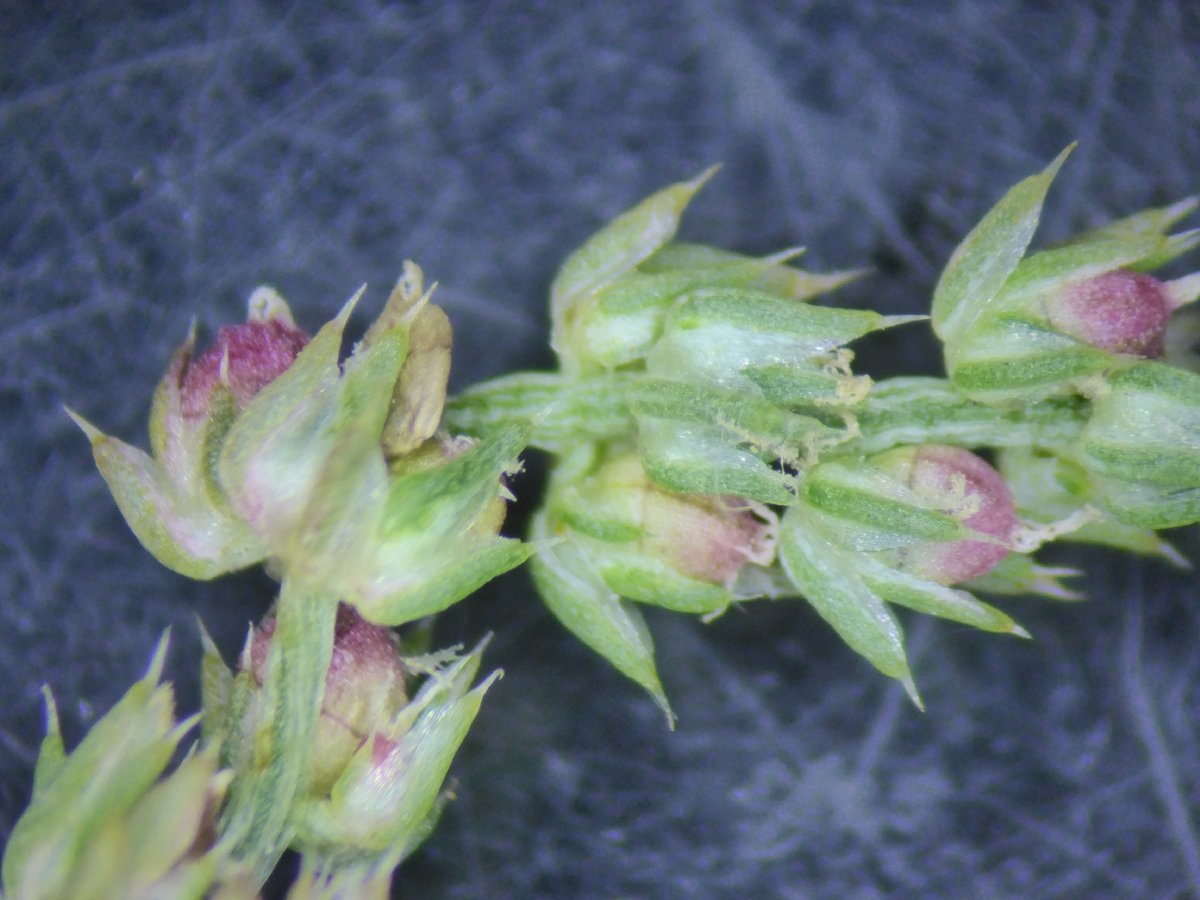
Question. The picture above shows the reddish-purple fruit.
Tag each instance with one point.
(1119, 311)
(244, 358)
(707, 538)
(957, 482)
(364, 689)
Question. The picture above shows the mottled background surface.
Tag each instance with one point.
(156, 163)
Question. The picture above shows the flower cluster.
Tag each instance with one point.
(695, 374)
(269, 448)
(712, 445)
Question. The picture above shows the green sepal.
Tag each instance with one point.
(216, 689)
(186, 533)
(444, 585)
(349, 482)
(1148, 505)
(188, 451)
(439, 497)
(230, 722)
(1142, 446)
(691, 458)
(378, 814)
(715, 333)
(1018, 575)
(984, 260)
(614, 250)
(1150, 223)
(640, 291)
(51, 754)
(827, 577)
(578, 597)
(316, 880)
(1146, 427)
(420, 543)
(635, 576)
(807, 330)
(275, 451)
(931, 598)
(164, 826)
(863, 508)
(620, 323)
(704, 438)
(1040, 273)
(794, 387)
(781, 280)
(747, 419)
(597, 511)
(1015, 360)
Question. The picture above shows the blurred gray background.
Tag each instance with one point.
(157, 161)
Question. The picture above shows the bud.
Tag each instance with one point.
(611, 536)
(173, 500)
(338, 467)
(1020, 328)
(106, 816)
(1141, 447)
(898, 527)
(372, 787)
(638, 533)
